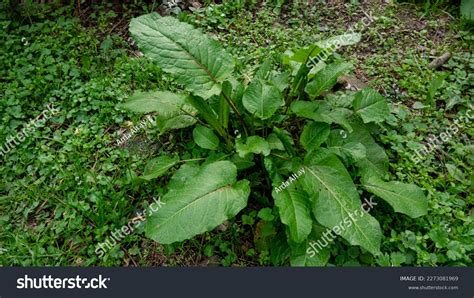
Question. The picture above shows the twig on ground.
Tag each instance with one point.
(439, 61)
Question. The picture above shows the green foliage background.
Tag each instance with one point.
(66, 188)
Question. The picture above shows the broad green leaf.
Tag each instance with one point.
(262, 99)
(326, 78)
(371, 106)
(300, 55)
(243, 163)
(286, 139)
(207, 113)
(337, 204)
(306, 63)
(322, 156)
(238, 90)
(303, 64)
(435, 84)
(180, 121)
(182, 175)
(197, 61)
(165, 103)
(275, 142)
(321, 111)
(294, 210)
(311, 57)
(173, 111)
(253, 144)
(280, 81)
(159, 166)
(336, 115)
(376, 161)
(314, 134)
(279, 250)
(308, 253)
(404, 198)
(201, 203)
(106, 44)
(353, 151)
(300, 80)
(205, 138)
(283, 164)
(306, 109)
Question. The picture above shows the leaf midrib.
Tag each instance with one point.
(337, 199)
(186, 51)
(169, 164)
(396, 195)
(364, 109)
(192, 203)
(293, 204)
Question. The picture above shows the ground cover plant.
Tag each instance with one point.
(264, 153)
